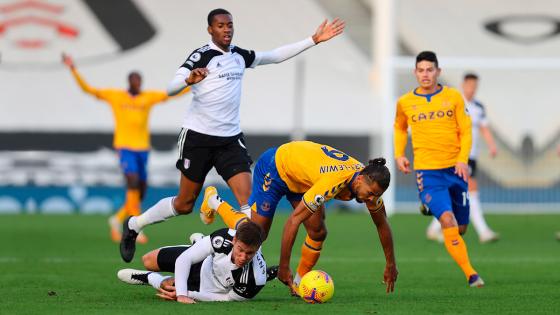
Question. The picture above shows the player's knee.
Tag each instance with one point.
(150, 260)
(318, 235)
(183, 206)
(463, 229)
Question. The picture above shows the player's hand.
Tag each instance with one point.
(285, 276)
(390, 277)
(326, 30)
(185, 300)
(462, 170)
(403, 164)
(167, 290)
(197, 75)
(68, 61)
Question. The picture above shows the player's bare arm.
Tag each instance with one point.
(379, 217)
(326, 30)
(68, 61)
(300, 214)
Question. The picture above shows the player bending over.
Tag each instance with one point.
(309, 174)
(227, 265)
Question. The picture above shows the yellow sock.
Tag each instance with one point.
(310, 252)
(458, 250)
(230, 217)
(132, 203)
(122, 214)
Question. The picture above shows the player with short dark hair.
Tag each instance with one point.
(211, 135)
(309, 174)
(477, 112)
(441, 141)
(227, 265)
(131, 109)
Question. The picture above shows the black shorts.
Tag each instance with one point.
(472, 168)
(199, 152)
(166, 262)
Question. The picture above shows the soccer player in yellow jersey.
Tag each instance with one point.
(441, 141)
(309, 174)
(131, 110)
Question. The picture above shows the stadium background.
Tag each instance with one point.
(55, 141)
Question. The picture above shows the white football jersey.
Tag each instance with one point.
(478, 118)
(216, 99)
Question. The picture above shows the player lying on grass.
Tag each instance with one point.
(309, 174)
(226, 265)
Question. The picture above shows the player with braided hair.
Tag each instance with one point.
(309, 174)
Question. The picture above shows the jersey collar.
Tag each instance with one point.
(215, 47)
(429, 96)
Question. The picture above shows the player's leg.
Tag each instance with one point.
(129, 164)
(434, 192)
(311, 248)
(485, 234)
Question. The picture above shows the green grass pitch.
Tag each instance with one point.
(67, 265)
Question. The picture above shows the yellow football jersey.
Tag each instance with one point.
(131, 113)
(318, 171)
(440, 127)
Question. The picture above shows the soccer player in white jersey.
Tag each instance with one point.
(479, 126)
(211, 134)
(226, 265)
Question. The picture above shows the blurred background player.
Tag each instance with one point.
(211, 135)
(479, 125)
(309, 174)
(131, 110)
(226, 265)
(441, 141)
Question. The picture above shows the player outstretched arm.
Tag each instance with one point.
(379, 217)
(69, 62)
(324, 32)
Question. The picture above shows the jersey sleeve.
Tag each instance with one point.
(195, 254)
(465, 129)
(483, 120)
(222, 241)
(248, 56)
(400, 130)
(200, 58)
(157, 97)
(102, 94)
(326, 188)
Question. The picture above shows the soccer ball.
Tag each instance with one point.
(316, 286)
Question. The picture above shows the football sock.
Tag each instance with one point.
(247, 210)
(310, 252)
(230, 217)
(132, 203)
(457, 248)
(155, 279)
(434, 227)
(159, 212)
(476, 214)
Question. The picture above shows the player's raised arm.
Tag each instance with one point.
(69, 62)
(324, 32)
(300, 214)
(377, 213)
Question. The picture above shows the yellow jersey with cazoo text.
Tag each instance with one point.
(131, 113)
(318, 171)
(440, 128)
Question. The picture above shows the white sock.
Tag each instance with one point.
(246, 210)
(155, 279)
(214, 201)
(297, 279)
(476, 214)
(159, 212)
(434, 227)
